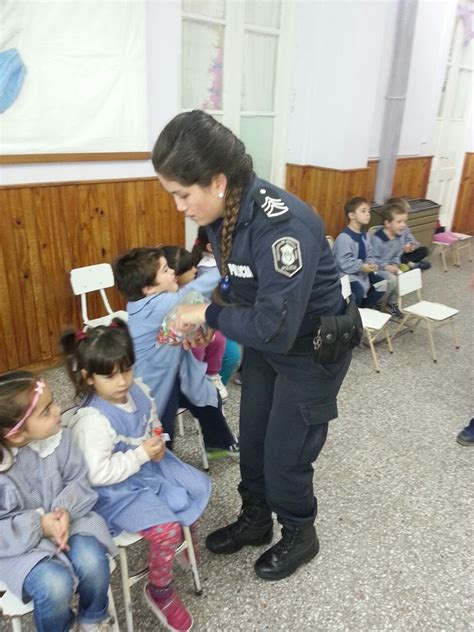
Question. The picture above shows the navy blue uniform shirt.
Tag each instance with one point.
(281, 271)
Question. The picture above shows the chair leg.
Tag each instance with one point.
(205, 462)
(389, 341)
(372, 349)
(113, 611)
(180, 425)
(443, 257)
(430, 335)
(456, 340)
(127, 598)
(192, 560)
(16, 624)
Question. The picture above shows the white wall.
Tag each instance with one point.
(339, 51)
(163, 49)
(344, 54)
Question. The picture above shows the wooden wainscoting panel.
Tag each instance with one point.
(464, 214)
(328, 189)
(411, 176)
(45, 231)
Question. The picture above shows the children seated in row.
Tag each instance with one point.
(142, 487)
(181, 261)
(413, 254)
(175, 377)
(354, 255)
(51, 542)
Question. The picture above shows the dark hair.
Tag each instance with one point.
(98, 350)
(135, 269)
(390, 210)
(401, 202)
(16, 394)
(192, 149)
(200, 245)
(353, 204)
(179, 259)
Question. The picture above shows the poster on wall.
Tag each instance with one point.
(76, 76)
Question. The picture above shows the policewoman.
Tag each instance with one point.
(278, 279)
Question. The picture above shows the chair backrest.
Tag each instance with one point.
(346, 286)
(373, 229)
(409, 282)
(330, 241)
(92, 279)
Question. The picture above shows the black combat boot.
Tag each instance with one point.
(298, 545)
(254, 526)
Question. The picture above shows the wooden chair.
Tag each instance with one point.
(15, 609)
(423, 311)
(95, 278)
(123, 541)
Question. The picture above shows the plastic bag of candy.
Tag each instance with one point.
(167, 334)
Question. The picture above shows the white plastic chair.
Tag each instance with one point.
(95, 278)
(373, 322)
(463, 241)
(426, 311)
(330, 241)
(123, 541)
(14, 608)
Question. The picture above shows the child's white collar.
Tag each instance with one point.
(45, 447)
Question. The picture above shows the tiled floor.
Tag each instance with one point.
(395, 502)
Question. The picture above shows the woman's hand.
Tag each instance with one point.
(188, 316)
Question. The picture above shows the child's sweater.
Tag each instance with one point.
(387, 251)
(43, 476)
(351, 251)
(160, 364)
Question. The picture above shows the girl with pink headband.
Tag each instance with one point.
(51, 543)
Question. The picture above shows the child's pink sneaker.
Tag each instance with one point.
(169, 609)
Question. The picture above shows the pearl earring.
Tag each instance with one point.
(220, 194)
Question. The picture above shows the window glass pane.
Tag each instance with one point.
(256, 132)
(467, 55)
(263, 13)
(209, 8)
(460, 96)
(202, 65)
(258, 78)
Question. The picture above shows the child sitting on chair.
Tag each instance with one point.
(51, 543)
(175, 377)
(142, 486)
(413, 253)
(354, 255)
(388, 249)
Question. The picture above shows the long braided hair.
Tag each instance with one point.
(192, 149)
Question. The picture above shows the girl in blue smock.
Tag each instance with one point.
(142, 486)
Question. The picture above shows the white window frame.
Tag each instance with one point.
(234, 37)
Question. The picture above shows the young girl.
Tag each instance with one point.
(142, 486)
(181, 261)
(51, 543)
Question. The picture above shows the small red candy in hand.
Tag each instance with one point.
(158, 431)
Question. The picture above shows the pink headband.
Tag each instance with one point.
(38, 392)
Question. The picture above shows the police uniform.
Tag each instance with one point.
(281, 278)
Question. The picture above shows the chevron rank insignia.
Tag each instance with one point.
(287, 256)
(273, 206)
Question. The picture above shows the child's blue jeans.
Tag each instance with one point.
(50, 585)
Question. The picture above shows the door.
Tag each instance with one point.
(451, 124)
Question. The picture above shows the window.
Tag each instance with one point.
(235, 67)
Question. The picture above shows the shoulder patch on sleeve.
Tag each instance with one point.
(287, 258)
(274, 208)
